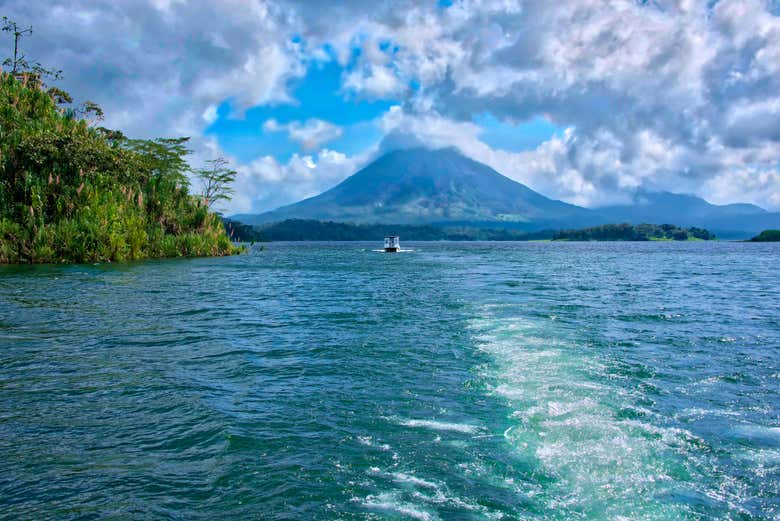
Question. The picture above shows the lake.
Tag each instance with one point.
(458, 381)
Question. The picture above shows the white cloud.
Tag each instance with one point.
(210, 114)
(663, 95)
(311, 134)
(157, 67)
(672, 94)
(594, 169)
(266, 183)
(376, 81)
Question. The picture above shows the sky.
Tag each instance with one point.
(587, 101)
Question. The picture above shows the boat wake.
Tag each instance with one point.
(608, 454)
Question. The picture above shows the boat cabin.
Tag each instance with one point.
(392, 243)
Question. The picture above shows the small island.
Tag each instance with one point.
(639, 232)
(766, 236)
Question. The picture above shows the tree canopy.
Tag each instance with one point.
(639, 232)
(217, 180)
(767, 236)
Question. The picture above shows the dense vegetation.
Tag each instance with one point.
(639, 232)
(71, 192)
(310, 230)
(767, 236)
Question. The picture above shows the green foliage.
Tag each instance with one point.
(59, 96)
(73, 193)
(767, 236)
(310, 230)
(639, 232)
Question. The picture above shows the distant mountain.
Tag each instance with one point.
(422, 186)
(677, 207)
(687, 210)
(443, 187)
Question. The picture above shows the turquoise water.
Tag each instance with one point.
(459, 381)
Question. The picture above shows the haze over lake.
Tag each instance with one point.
(458, 381)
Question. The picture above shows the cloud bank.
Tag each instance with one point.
(676, 95)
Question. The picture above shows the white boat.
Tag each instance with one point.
(392, 244)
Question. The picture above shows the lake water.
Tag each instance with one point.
(551, 381)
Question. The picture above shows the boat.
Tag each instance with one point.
(392, 244)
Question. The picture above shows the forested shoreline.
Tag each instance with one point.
(766, 236)
(73, 191)
(312, 230)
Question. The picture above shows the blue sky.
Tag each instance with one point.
(317, 95)
(320, 95)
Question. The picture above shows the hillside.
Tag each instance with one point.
(687, 210)
(422, 186)
(70, 192)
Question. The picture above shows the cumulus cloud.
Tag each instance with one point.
(661, 95)
(157, 66)
(266, 183)
(311, 134)
(672, 94)
(374, 80)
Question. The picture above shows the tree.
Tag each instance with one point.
(217, 179)
(19, 64)
(163, 159)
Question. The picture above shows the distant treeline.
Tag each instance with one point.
(311, 230)
(639, 232)
(767, 236)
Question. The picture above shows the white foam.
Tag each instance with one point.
(440, 426)
(765, 462)
(698, 412)
(759, 432)
(565, 403)
(440, 498)
(401, 477)
(369, 442)
(388, 502)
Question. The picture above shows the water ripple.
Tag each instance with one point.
(461, 381)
